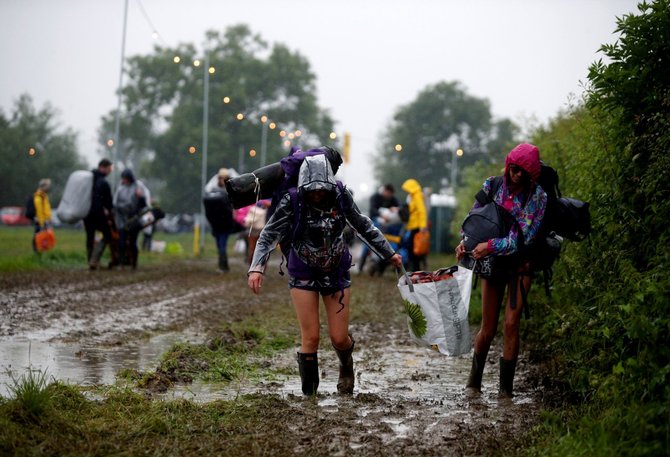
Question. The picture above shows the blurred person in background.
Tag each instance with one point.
(129, 200)
(417, 221)
(42, 219)
(383, 198)
(99, 217)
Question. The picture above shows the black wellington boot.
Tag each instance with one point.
(345, 383)
(223, 262)
(507, 368)
(476, 372)
(309, 372)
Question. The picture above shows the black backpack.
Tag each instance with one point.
(564, 217)
(30, 207)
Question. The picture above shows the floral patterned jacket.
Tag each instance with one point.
(528, 212)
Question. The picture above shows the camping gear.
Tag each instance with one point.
(45, 240)
(437, 306)
(76, 201)
(272, 181)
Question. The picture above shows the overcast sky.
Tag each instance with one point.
(370, 56)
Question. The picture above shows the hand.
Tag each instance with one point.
(460, 251)
(255, 281)
(480, 251)
(396, 260)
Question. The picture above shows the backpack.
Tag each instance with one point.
(564, 217)
(30, 213)
(490, 220)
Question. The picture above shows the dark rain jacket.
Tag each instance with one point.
(101, 197)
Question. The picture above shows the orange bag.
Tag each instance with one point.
(421, 245)
(45, 240)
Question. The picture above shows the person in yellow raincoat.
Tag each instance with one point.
(417, 222)
(42, 219)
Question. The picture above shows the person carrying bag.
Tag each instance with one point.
(505, 256)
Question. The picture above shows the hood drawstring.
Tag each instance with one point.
(257, 191)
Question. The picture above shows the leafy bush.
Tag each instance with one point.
(612, 326)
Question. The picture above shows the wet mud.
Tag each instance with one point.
(86, 326)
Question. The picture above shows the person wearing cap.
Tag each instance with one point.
(520, 195)
(42, 219)
(129, 200)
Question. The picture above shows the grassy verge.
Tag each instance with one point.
(127, 423)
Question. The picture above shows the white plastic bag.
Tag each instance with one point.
(76, 201)
(444, 306)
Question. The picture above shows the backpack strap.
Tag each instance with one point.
(483, 198)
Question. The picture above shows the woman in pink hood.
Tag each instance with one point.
(519, 194)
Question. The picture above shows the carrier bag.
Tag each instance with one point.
(76, 201)
(45, 240)
(437, 307)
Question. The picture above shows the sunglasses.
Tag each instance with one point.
(514, 169)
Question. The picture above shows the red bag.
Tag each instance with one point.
(45, 240)
(421, 244)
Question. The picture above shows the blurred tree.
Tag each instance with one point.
(31, 148)
(163, 113)
(442, 119)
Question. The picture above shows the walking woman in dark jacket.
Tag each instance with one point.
(526, 201)
(318, 263)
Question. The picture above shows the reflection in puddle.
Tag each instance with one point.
(81, 364)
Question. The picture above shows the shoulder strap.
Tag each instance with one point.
(482, 197)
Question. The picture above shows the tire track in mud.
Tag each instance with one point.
(104, 306)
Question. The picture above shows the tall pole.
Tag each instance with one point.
(205, 127)
(116, 152)
(454, 170)
(264, 141)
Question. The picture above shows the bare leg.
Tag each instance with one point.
(338, 319)
(306, 304)
(513, 320)
(492, 295)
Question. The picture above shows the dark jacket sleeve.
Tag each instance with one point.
(365, 228)
(275, 229)
(106, 194)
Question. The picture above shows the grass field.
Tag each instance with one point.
(16, 253)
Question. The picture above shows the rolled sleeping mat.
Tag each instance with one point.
(242, 189)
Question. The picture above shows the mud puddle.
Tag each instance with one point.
(83, 364)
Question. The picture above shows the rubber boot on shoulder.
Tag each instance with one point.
(507, 369)
(345, 383)
(308, 364)
(476, 372)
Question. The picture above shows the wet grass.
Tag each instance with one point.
(29, 391)
(237, 352)
(16, 253)
(127, 423)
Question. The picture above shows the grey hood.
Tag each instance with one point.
(316, 174)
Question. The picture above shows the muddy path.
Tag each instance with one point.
(408, 400)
